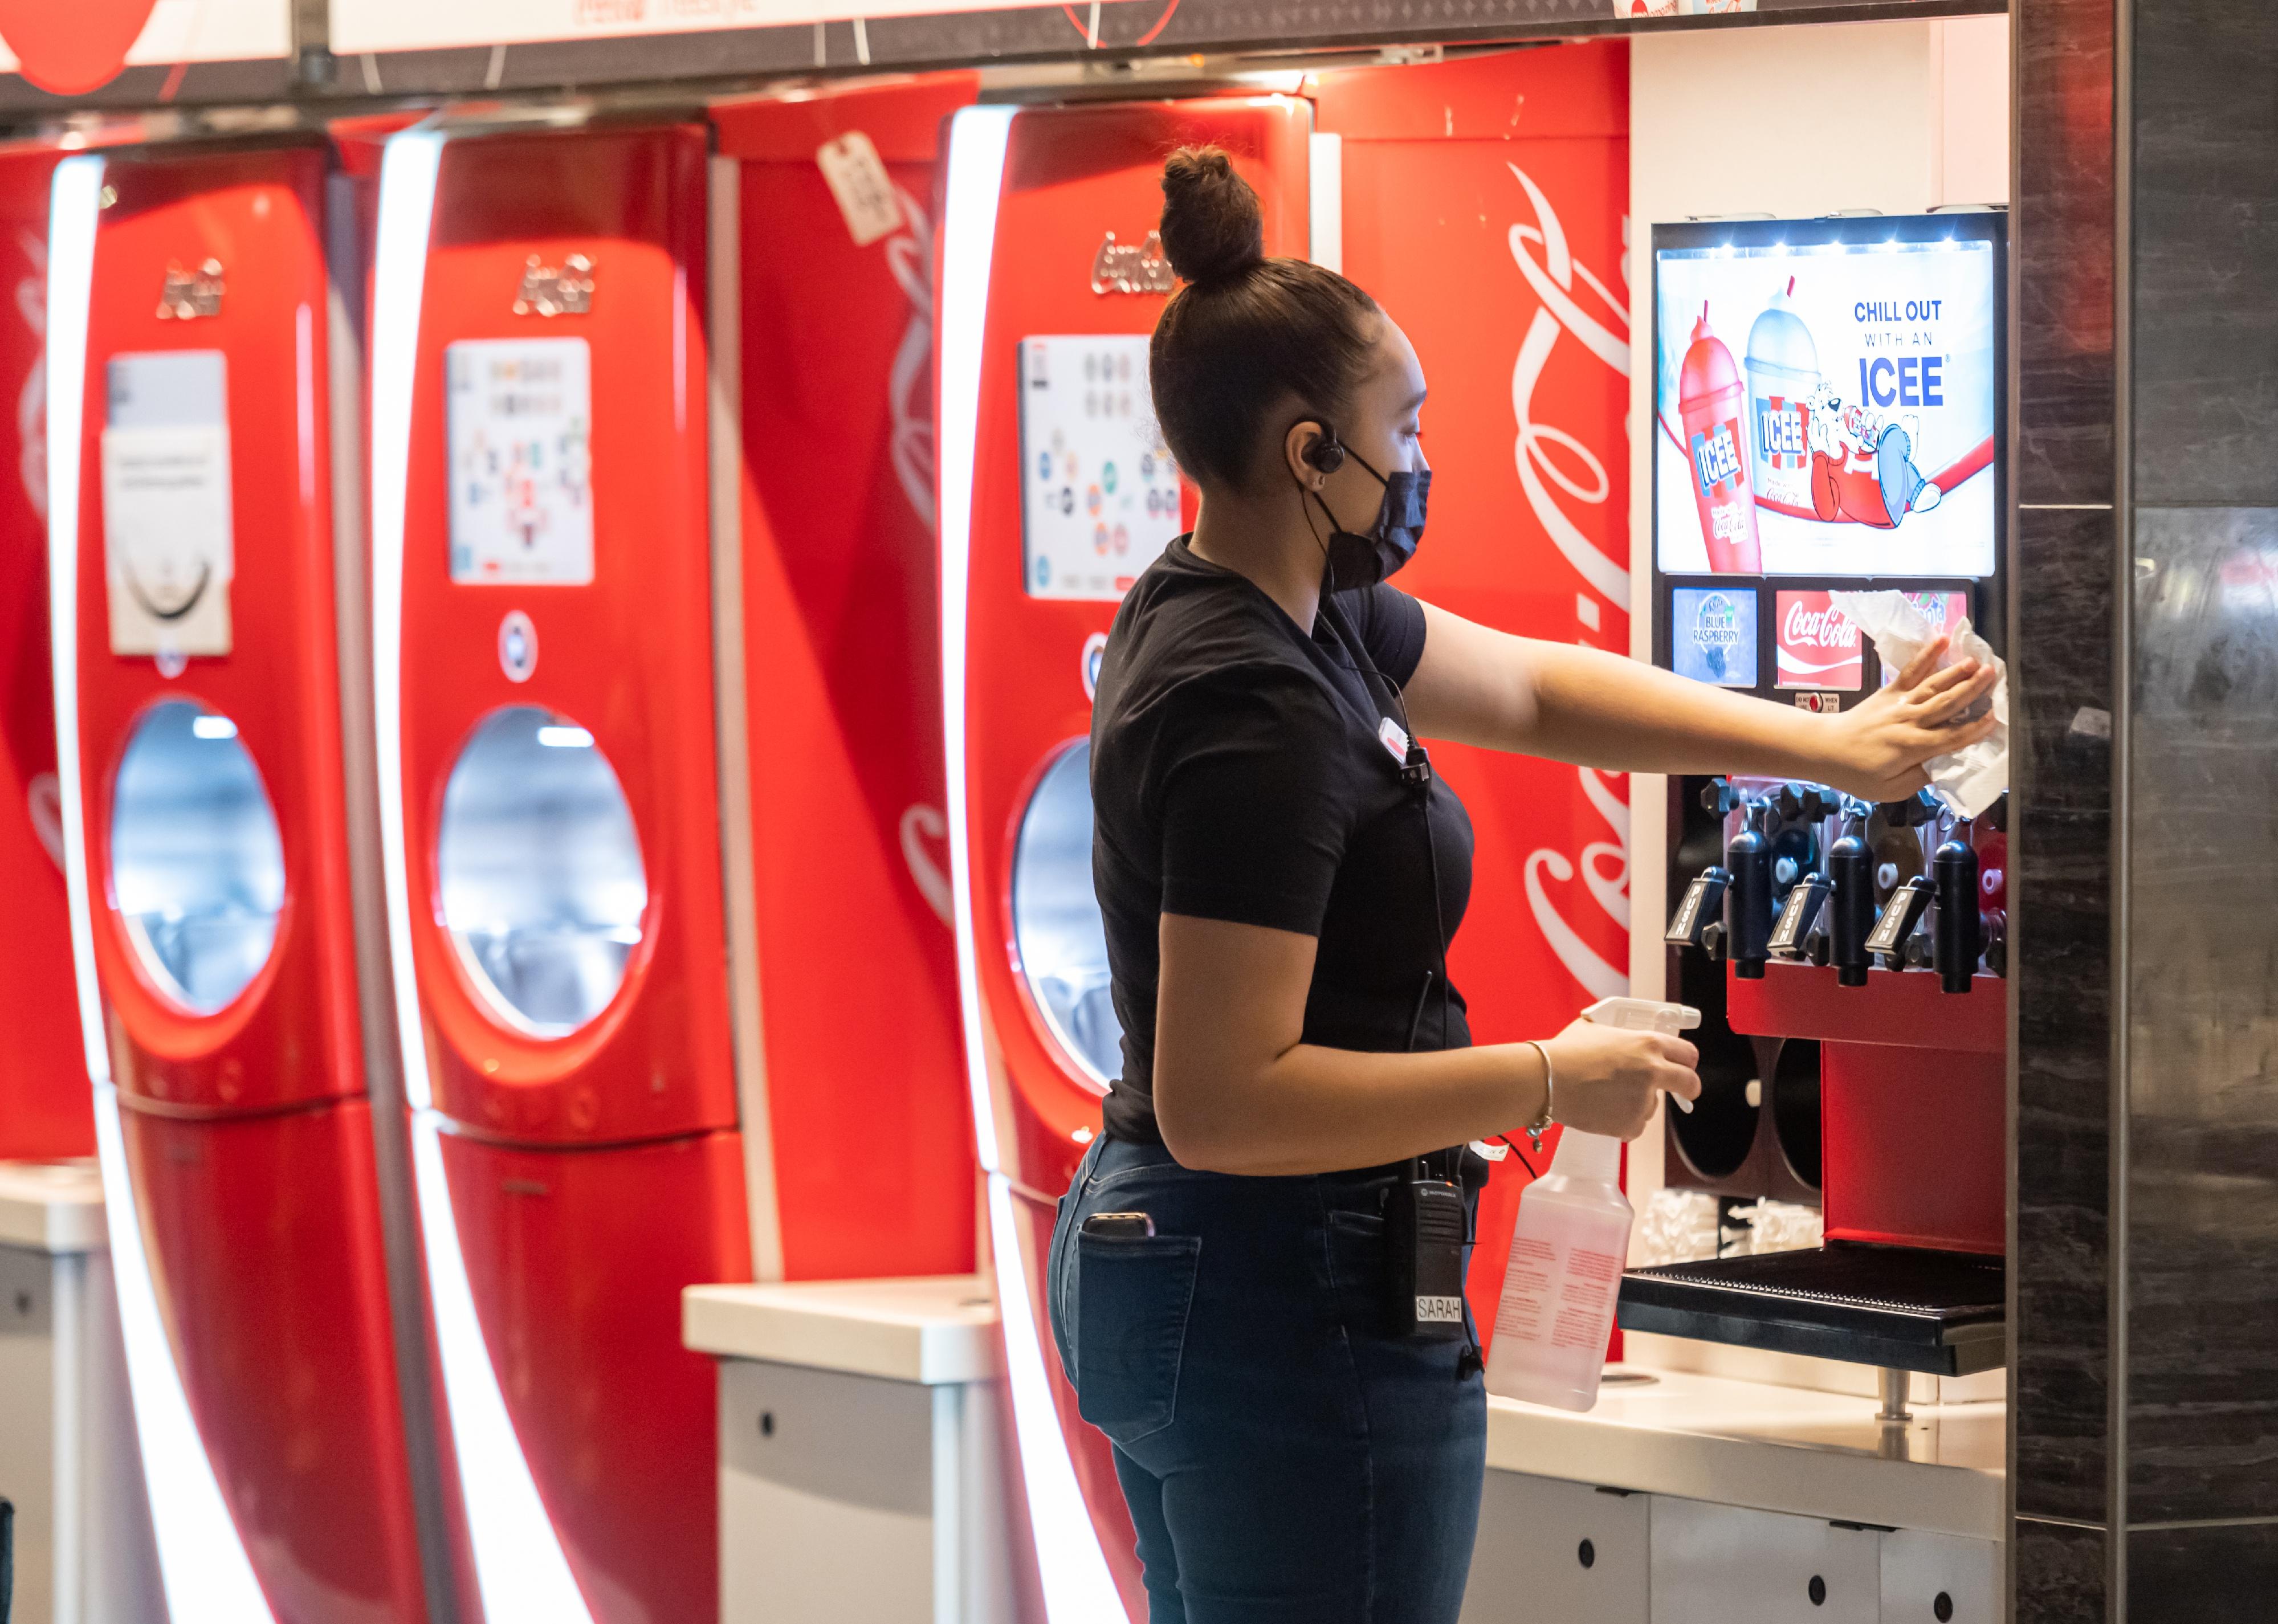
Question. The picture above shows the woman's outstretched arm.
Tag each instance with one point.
(1485, 687)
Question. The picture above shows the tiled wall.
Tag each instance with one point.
(2202, 796)
(2147, 1171)
(2062, 701)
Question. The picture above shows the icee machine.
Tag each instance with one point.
(1828, 418)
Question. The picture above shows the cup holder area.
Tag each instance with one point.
(1795, 1109)
(1716, 1136)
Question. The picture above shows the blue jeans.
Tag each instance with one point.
(1286, 1459)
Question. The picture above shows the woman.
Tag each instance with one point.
(1280, 872)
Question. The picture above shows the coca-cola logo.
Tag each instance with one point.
(1825, 628)
(1132, 267)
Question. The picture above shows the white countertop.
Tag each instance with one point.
(1703, 1437)
(51, 1206)
(1787, 1449)
(933, 1329)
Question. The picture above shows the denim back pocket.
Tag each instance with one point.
(1131, 1299)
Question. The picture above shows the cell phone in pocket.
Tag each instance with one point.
(1120, 1225)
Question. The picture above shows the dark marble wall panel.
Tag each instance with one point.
(2204, 276)
(2203, 1017)
(2062, 231)
(2061, 873)
(2059, 1572)
(2202, 1575)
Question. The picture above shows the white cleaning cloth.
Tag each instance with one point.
(1971, 779)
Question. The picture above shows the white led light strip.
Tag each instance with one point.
(1078, 1589)
(202, 1561)
(520, 1569)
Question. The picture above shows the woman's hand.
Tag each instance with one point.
(1604, 1078)
(1878, 748)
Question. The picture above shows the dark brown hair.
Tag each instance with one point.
(1247, 335)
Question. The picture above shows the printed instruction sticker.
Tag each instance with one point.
(521, 488)
(168, 547)
(1099, 492)
(858, 179)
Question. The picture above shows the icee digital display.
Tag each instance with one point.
(1826, 397)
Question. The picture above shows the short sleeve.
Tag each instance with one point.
(1390, 626)
(1254, 816)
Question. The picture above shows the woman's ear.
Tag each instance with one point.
(1299, 448)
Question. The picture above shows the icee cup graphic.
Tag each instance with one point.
(1783, 374)
(1711, 405)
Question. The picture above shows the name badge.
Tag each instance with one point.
(1389, 735)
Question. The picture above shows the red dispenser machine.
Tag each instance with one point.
(1848, 956)
(197, 692)
(44, 1109)
(1055, 493)
(550, 827)
(830, 682)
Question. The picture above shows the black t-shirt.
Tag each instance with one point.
(1239, 770)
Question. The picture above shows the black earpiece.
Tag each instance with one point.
(1327, 454)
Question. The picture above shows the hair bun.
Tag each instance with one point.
(1213, 227)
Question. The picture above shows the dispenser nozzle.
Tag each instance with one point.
(1957, 938)
(1748, 899)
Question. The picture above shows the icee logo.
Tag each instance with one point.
(1554, 463)
(1718, 462)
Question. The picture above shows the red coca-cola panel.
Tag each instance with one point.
(43, 1089)
(577, 1260)
(264, 1244)
(856, 965)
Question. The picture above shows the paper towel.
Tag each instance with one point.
(1971, 779)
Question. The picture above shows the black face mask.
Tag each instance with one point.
(1362, 561)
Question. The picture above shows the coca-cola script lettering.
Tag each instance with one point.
(1825, 628)
(1132, 267)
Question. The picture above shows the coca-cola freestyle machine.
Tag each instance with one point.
(1828, 412)
(550, 835)
(196, 354)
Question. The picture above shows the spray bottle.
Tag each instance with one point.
(1568, 1251)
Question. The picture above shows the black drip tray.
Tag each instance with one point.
(1901, 1308)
